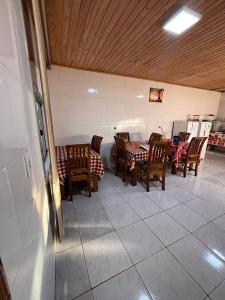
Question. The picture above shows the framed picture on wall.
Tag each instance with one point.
(156, 95)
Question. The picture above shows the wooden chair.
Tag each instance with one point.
(193, 155)
(184, 136)
(124, 135)
(155, 137)
(156, 165)
(96, 143)
(121, 160)
(78, 165)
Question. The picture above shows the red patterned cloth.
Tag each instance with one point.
(178, 152)
(217, 139)
(97, 167)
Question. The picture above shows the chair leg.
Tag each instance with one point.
(196, 168)
(89, 187)
(185, 169)
(125, 173)
(70, 191)
(116, 173)
(147, 186)
(163, 182)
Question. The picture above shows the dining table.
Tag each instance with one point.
(136, 153)
(96, 166)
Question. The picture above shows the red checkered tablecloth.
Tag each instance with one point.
(136, 153)
(97, 167)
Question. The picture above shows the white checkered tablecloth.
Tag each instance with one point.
(97, 167)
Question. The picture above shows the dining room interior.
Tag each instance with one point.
(112, 178)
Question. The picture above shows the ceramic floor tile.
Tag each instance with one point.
(219, 292)
(86, 296)
(220, 221)
(94, 225)
(105, 257)
(216, 198)
(200, 262)
(165, 279)
(181, 194)
(71, 274)
(196, 189)
(122, 215)
(163, 199)
(129, 192)
(110, 198)
(71, 236)
(144, 207)
(205, 209)
(187, 217)
(68, 210)
(125, 286)
(166, 228)
(139, 241)
(215, 179)
(213, 237)
(85, 205)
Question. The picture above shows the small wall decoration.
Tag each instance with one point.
(156, 95)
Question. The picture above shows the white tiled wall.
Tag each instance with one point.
(78, 115)
(26, 245)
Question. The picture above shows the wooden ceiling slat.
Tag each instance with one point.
(66, 20)
(128, 14)
(82, 19)
(51, 29)
(125, 37)
(72, 31)
(103, 30)
(171, 44)
(90, 39)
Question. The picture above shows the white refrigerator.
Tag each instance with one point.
(204, 129)
(187, 126)
(195, 128)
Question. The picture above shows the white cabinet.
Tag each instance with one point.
(204, 130)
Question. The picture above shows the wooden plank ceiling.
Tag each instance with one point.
(125, 37)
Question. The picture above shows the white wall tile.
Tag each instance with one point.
(116, 105)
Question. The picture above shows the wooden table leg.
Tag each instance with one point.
(95, 183)
(174, 169)
(133, 179)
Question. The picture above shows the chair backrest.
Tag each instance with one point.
(121, 148)
(158, 153)
(195, 148)
(78, 158)
(124, 135)
(96, 143)
(184, 136)
(155, 137)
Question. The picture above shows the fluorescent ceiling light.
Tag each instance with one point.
(140, 96)
(92, 91)
(182, 20)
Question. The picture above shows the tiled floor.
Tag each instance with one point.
(126, 244)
